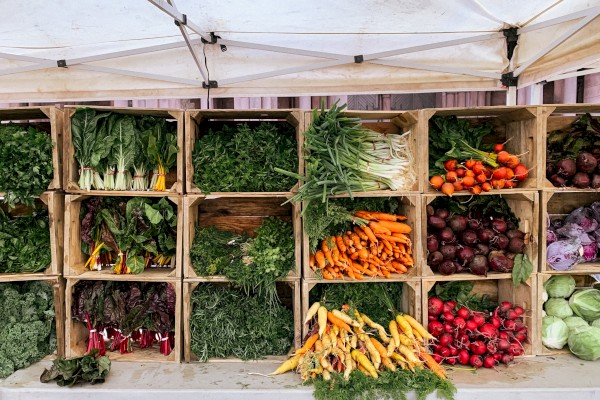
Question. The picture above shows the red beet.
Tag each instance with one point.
(581, 180)
(447, 268)
(469, 237)
(485, 235)
(558, 181)
(463, 357)
(434, 259)
(436, 222)
(479, 265)
(498, 262)
(515, 233)
(516, 245)
(595, 183)
(458, 223)
(482, 249)
(435, 306)
(475, 361)
(446, 235)
(465, 255)
(432, 243)
(474, 224)
(442, 213)
(566, 168)
(501, 241)
(499, 225)
(448, 251)
(586, 163)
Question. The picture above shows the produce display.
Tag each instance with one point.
(24, 242)
(226, 322)
(90, 368)
(25, 162)
(254, 264)
(242, 158)
(128, 235)
(477, 236)
(459, 160)
(122, 152)
(573, 154)
(28, 329)
(573, 239)
(120, 314)
(571, 317)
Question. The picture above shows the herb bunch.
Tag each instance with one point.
(24, 242)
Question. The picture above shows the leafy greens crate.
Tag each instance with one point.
(408, 301)
(77, 333)
(48, 119)
(199, 122)
(581, 282)
(525, 206)
(289, 296)
(555, 117)
(520, 127)
(497, 290)
(173, 180)
(557, 204)
(53, 202)
(409, 206)
(75, 258)
(238, 214)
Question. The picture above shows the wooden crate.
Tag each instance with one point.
(239, 214)
(411, 298)
(54, 203)
(45, 118)
(58, 287)
(560, 116)
(289, 294)
(390, 122)
(410, 206)
(582, 281)
(77, 333)
(525, 206)
(499, 290)
(521, 126)
(174, 179)
(198, 122)
(74, 258)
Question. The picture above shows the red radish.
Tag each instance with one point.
(435, 306)
(496, 322)
(521, 336)
(515, 349)
(478, 318)
(438, 359)
(505, 306)
(463, 312)
(436, 328)
(431, 318)
(507, 358)
(503, 335)
(453, 351)
(475, 361)
(488, 331)
(518, 310)
(445, 340)
(471, 325)
(448, 316)
(519, 326)
(512, 314)
(459, 322)
(444, 352)
(477, 347)
(509, 325)
(451, 361)
(503, 344)
(491, 347)
(463, 357)
(448, 328)
(489, 362)
(463, 342)
(451, 304)
(498, 356)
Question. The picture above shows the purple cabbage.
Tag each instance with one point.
(564, 254)
(571, 231)
(584, 217)
(595, 206)
(590, 247)
(551, 236)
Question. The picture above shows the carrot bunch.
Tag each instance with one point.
(382, 247)
(497, 170)
(341, 342)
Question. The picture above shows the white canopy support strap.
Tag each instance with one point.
(436, 68)
(138, 74)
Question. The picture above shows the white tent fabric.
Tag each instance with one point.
(132, 49)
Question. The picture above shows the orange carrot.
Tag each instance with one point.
(335, 254)
(376, 215)
(356, 241)
(338, 322)
(326, 274)
(398, 227)
(401, 239)
(312, 262)
(320, 258)
(308, 344)
(369, 234)
(327, 252)
(363, 254)
(354, 256)
(350, 273)
(386, 273)
(376, 227)
(431, 363)
(361, 234)
(340, 244)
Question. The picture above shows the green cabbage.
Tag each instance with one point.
(555, 332)
(596, 323)
(586, 304)
(558, 307)
(560, 286)
(585, 343)
(575, 322)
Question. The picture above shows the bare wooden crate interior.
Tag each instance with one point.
(581, 281)
(239, 214)
(560, 117)
(77, 333)
(520, 125)
(289, 295)
(54, 203)
(499, 290)
(199, 122)
(411, 298)
(557, 205)
(74, 258)
(48, 119)
(525, 206)
(174, 179)
(409, 206)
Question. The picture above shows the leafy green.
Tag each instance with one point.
(68, 372)
(522, 269)
(460, 291)
(226, 322)
(478, 207)
(242, 158)
(25, 162)
(123, 149)
(582, 135)
(24, 242)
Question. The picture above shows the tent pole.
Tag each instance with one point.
(511, 96)
(536, 93)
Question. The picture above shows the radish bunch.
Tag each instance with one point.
(475, 338)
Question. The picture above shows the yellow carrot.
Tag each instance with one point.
(363, 361)
(345, 317)
(322, 319)
(288, 365)
(418, 327)
(394, 332)
(312, 311)
(404, 326)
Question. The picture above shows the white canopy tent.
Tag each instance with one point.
(90, 50)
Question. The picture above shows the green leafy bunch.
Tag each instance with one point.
(461, 293)
(68, 372)
(582, 135)
(24, 242)
(25, 162)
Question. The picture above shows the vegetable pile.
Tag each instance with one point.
(25, 162)
(480, 339)
(574, 154)
(477, 236)
(28, 330)
(571, 317)
(128, 236)
(24, 242)
(125, 313)
(242, 158)
(226, 322)
(124, 149)
(573, 239)
(89, 368)
(458, 160)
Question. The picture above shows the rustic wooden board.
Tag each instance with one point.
(175, 177)
(76, 333)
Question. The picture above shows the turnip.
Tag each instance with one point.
(435, 306)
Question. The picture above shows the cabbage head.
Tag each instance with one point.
(585, 343)
(596, 323)
(555, 332)
(560, 286)
(575, 322)
(586, 304)
(558, 307)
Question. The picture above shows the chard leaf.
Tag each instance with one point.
(522, 269)
(135, 264)
(153, 215)
(124, 142)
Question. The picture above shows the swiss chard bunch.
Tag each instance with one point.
(89, 368)
(25, 162)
